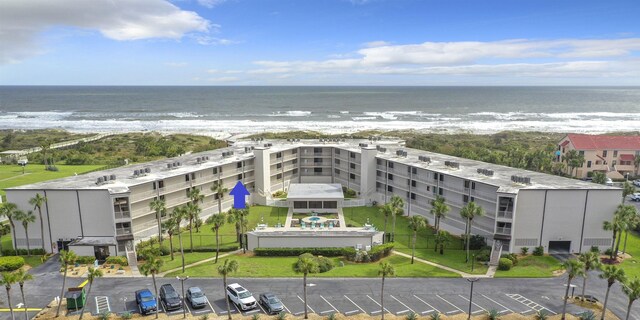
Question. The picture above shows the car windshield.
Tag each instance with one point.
(196, 294)
(172, 295)
(274, 301)
(245, 294)
(147, 298)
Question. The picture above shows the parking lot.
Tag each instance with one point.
(325, 300)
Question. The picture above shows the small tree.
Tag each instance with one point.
(193, 212)
(217, 221)
(386, 270)
(178, 214)
(9, 210)
(416, 223)
(7, 279)
(306, 264)
(632, 290)
(599, 177)
(229, 266)
(25, 218)
(470, 211)
(92, 274)
(152, 266)
(159, 206)
(66, 258)
(219, 190)
(171, 228)
(398, 209)
(37, 201)
(574, 269)
(591, 261)
(386, 210)
(439, 210)
(441, 239)
(22, 277)
(612, 274)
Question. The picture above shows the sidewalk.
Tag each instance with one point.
(490, 273)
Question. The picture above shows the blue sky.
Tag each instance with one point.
(319, 42)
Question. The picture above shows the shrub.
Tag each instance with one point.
(595, 249)
(608, 251)
(281, 316)
(8, 252)
(411, 316)
(255, 317)
(164, 250)
(512, 257)
(381, 251)
(492, 314)
(332, 317)
(524, 251)
(105, 315)
(126, 315)
(117, 260)
(279, 194)
(477, 242)
(435, 316)
(85, 259)
(505, 264)
(324, 264)
(587, 315)
(22, 252)
(538, 251)
(204, 317)
(484, 255)
(542, 315)
(11, 263)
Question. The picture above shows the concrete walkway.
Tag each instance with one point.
(199, 262)
(489, 274)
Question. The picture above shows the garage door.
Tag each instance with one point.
(559, 247)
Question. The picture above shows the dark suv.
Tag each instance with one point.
(170, 298)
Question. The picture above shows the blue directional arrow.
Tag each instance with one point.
(239, 192)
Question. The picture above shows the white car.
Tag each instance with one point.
(636, 183)
(609, 182)
(635, 197)
(243, 299)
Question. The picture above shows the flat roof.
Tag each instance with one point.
(301, 191)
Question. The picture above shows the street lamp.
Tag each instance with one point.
(472, 280)
(184, 310)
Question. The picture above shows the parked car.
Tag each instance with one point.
(271, 303)
(635, 197)
(196, 298)
(636, 183)
(241, 297)
(170, 298)
(608, 182)
(146, 301)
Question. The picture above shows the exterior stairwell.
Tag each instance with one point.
(496, 252)
(132, 259)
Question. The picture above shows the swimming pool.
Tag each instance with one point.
(314, 219)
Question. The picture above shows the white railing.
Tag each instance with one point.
(353, 203)
(278, 203)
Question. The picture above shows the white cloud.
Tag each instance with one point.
(21, 21)
(211, 3)
(206, 40)
(374, 44)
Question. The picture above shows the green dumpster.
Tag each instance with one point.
(76, 298)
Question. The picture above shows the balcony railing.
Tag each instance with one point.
(123, 215)
(505, 214)
(503, 230)
(123, 231)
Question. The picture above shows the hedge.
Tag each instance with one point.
(380, 251)
(11, 263)
(294, 252)
(85, 259)
(505, 264)
(22, 252)
(122, 261)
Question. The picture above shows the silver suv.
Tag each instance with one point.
(243, 299)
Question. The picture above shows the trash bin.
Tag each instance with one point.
(76, 298)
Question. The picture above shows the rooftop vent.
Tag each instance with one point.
(112, 177)
(452, 164)
(136, 173)
(100, 180)
(424, 158)
(227, 154)
(147, 170)
(521, 179)
(381, 149)
(362, 145)
(486, 172)
(168, 165)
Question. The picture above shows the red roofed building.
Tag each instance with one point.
(614, 155)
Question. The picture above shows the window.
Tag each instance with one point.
(121, 207)
(278, 165)
(413, 183)
(440, 191)
(240, 177)
(317, 170)
(390, 188)
(435, 190)
(337, 151)
(390, 165)
(317, 150)
(465, 198)
(604, 153)
(315, 204)
(294, 151)
(414, 170)
(279, 176)
(505, 204)
(337, 161)
(239, 165)
(379, 162)
(294, 171)
(413, 196)
(352, 155)
(615, 153)
(435, 176)
(390, 176)
(466, 184)
(186, 177)
(278, 155)
(581, 153)
(441, 177)
(614, 162)
(330, 204)
(378, 185)
(379, 173)
(473, 185)
(589, 164)
(352, 176)
(428, 188)
(337, 172)
(299, 204)
(352, 165)
(161, 184)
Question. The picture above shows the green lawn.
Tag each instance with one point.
(11, 175)
(632, 266)
(33, 261)
(532, 267)
(189, 258)
(454, 255)
(265, 267)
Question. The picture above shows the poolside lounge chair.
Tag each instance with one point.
(313, 225)
(303, 225)
(330, 225)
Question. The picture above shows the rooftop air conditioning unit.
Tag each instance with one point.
(147, 170)
(100, 180)
(168, 165)
(136, 172)
(112, 177)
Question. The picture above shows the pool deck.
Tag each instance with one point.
(287, 224)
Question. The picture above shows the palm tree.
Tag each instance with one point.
(45, 145)
(632, 290)
(178, 214)
(224, 270)
(386, 210)
(92, 274)
(235, 216)
(441, 239)
(217, 221)
(193, 211)
(7, 279)
(220, 190)
(386, 270)
(612, 274)
(171, 227)
(8, 210)
(306, 264)
(599, 177)
(416, 223)
(439, 210)
(620, 222)
(25, 218)
(159, 206)
(470, 211)
(22, 277)
(152, 266)
(37, 201)
(591, 261)
(574, 269)
(66, 258)
(244, 224)
(398, 209)
(628, 216)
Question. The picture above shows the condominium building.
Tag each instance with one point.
(110, 210)
(613, 155)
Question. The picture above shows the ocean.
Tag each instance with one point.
(226, 111)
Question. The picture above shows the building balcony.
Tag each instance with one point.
(123, 231)
(489, 196)
(122, 215)
(503, 230)
(505, 214)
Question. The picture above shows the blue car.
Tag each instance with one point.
(146, 301)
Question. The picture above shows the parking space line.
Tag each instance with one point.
(430, 306)
(303, 302)
(326, 311)
(350, 312)
(285, 307)
(496, 302)
(357, 306)
(184, 305)
(527, 302)
(402, 311)
(210, 306)
(394, 298)
(251, 312)
(472, 303)
(375, 311)
(329, 303)
(261, 308)
(376, 302)
(451, 304)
